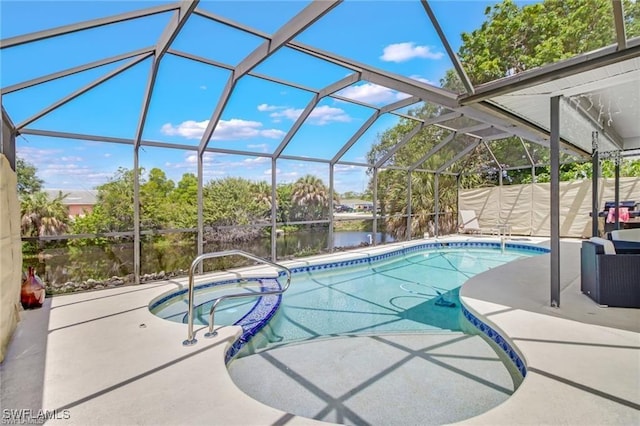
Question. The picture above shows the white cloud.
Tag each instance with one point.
(233, 129)
(341, 168)
(188, 129)
(273, 133)
(107, 155)
(422, 79)
(325, 114)
(71, 159)
(203, 87)
(372, 93)
(262, 147)
(288, 113)
(401, 52)
(319, 116)
(257, 160)
(267, 107)
(207, 158)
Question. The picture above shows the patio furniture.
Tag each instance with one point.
(625, 240)
(609, 277)
(627, 210)
(469, 222)
(469, 225)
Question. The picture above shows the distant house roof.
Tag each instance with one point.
(74, 196)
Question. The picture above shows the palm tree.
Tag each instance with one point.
(42, 216)
(262, 197)
(311, 197)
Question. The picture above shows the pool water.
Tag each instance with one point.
(417, 292)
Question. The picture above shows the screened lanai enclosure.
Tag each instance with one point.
(299, 109)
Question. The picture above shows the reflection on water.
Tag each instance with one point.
(172, 255)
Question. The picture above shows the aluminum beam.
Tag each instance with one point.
(200, 59)
(292, 28)
(375, 206)
(617, 189)
(464, 78)
(207, 61)
(74, 70)
(230, 23)
(331, 195)
(516, 126)
(82, 90)
(357, 135)
(445, 141)
(409, 206)
(353, 163)
(299, 158)
(274, 211)
(136, 215)
(526, 151)
(392, 81)
(595, 169)
(436, 203)
(458, 156)
(413, 132)
(495, 160)
(169, 34)
(555, 201)
(433, 150)
(618, 19)
(399, 104)
(338, 85)
(154, 144)
(200, 237)
(496, 137)
(79, 26)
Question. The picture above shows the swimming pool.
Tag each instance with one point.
(413, 289)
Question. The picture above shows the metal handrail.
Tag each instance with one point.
(191, 340)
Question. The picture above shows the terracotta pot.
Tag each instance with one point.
(32, 292)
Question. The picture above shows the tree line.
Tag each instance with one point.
(165, 204)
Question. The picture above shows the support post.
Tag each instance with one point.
(457, 201)
(594, 184)
(274, 212)
(616, 160)
(375, 206)
(436, 203)
(331, 192)
(200, 237)
(409, 207)
(555, 201)
(136, 215)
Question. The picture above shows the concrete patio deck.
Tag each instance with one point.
(104, 358)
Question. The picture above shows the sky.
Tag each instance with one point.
(392, 36)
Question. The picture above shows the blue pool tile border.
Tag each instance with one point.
(492, 334)
(407, 250)
(266, 306)
(257, 318)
